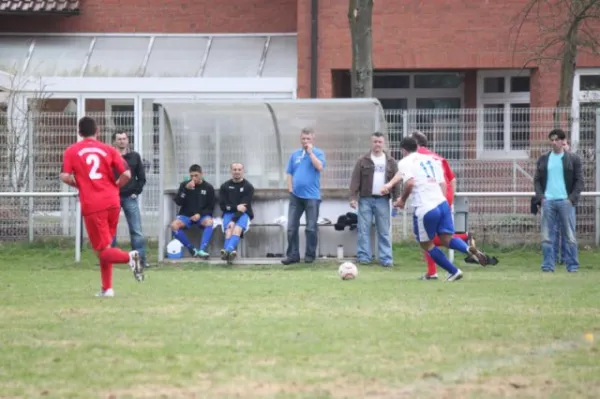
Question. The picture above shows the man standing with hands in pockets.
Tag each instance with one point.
(304, 184)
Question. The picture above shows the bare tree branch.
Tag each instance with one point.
(564, 33)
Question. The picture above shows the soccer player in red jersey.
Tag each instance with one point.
(450, 180)
(89, 165)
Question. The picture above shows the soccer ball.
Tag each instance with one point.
(347, 271)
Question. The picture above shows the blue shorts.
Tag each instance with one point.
(188, 222)
(243, 221)
(435, 221)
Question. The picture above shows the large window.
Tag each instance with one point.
(503, 124)
(432, 99)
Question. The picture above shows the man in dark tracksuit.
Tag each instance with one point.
(196, 199)
(235, 200)
(130, 195)
(558, 186)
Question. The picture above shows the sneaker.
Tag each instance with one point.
(480, 256)
(201, 254)
(456, 276)
(288, 261)
(428, 277)
(231, 257)
(224, 254)
(109, 293)
(136, 266)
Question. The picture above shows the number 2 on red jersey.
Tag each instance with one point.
(93, 160)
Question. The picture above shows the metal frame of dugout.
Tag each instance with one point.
(266, 240)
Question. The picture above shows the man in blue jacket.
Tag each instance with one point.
(558, 186)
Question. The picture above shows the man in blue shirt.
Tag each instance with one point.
(558, 186)
(304, 184)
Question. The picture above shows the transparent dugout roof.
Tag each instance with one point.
(230, 56)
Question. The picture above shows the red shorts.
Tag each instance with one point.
(101, 227)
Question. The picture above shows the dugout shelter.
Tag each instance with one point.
(262, 134)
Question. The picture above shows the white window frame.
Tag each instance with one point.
(507, 98)
(411, 94)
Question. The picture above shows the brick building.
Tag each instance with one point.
(117, 57)
(427, 55)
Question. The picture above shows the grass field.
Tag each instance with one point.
(259, 332)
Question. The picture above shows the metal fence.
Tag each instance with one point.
(490, 149)
(494, 149)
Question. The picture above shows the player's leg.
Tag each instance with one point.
(93, 225)
(227, 232)
(178, 225)
(207, 230)
(431, 268)
(239, 229)
(116, 255)
(426, 226)
(445, 230)
(365, 220)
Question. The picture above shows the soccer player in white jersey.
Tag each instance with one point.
(423, 178)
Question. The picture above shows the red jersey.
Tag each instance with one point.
(93, 164)
(448, 174)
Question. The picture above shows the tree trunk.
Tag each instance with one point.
(360, 16)
(567, 74)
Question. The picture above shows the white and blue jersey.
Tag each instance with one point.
(432, 214)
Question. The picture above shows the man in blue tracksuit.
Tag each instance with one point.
(304, 184)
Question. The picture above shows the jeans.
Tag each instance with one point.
(558, 214)
(298, 206)
(379, 208)
(131, 209)
(560, 243)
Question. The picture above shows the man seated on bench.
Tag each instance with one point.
(235, 200)
(196, 199)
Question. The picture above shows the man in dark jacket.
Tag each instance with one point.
(558, 186)
(235, 200)
(130, 194)
(196, 198)
(371, 172)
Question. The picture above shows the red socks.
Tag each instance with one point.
(106, 275)
(107, 258)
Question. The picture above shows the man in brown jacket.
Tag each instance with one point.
(371, 172)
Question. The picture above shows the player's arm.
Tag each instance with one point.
(449, 175)
(181, 195)
(224, 203)
(66, 174)
(119, 165)
(395, 180)
(409, 184)
(245, 200)
(68, 178)
(209, 207)
(124, 178)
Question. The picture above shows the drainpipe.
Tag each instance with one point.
(314, 48)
